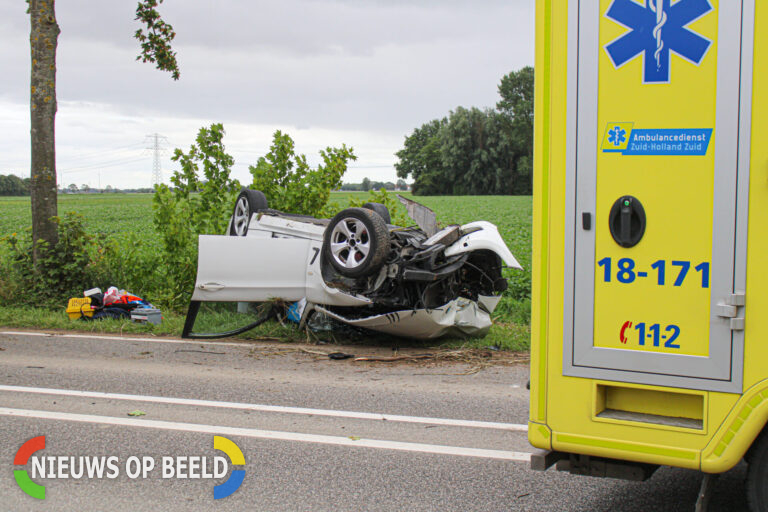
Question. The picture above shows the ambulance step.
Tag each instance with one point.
(656, 419)
(620, 402)
(600, 467)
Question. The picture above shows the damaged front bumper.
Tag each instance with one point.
(460, 318)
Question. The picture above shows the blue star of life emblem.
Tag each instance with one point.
(656, 29)
(617, 136)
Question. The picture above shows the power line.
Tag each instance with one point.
(110, 163)
(134, 146)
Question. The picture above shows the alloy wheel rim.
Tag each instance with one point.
(350, 243)
(241, 219)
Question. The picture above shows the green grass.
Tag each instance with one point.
(115, 214)
(503, 336)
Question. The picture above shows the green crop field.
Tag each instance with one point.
(121, 213)
(114, 215)
(104, 213)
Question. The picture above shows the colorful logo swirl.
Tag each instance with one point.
(21, 475)
(235, 455)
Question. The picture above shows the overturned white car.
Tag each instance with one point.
(356, 268)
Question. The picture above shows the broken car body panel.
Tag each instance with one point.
(460, 317)
(486, 238)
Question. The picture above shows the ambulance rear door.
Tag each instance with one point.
(656, 192)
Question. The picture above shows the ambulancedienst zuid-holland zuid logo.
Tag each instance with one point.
(134, 467)
(657, 29)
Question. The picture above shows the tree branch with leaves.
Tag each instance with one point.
(156, 41)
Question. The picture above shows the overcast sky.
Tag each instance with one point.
(360, 72)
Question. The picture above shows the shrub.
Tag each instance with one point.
(396, 210)
(64, 271)
(195, 206)
(291, 185)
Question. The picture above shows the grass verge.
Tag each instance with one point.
(502, 336)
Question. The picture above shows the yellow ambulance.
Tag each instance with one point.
(649, 346)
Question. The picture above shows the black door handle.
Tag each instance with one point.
(627, 221)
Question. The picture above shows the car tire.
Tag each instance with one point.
(382, 210)
(757, 475)
(248, 202)
(356, 242)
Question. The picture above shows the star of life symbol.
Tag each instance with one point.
(657, 28)
(617, 136)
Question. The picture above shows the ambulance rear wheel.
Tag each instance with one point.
(757, 476)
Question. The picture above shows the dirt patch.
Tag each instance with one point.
(366, 356)
(475, 359)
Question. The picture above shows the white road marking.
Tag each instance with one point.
(128, 338)
(270, 434)
(269, 408)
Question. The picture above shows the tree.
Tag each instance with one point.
(72, 188)
(401, 185)
(366, 184)
(12, 185)
(420, 157)
(516, 91)
(43, 40)
(475, 151)
(477, 154)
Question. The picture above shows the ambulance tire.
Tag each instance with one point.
(757, 475)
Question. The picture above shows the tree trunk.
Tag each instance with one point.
(42, 41)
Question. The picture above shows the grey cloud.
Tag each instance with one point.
(373, 66)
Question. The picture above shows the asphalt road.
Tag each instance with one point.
(316, 434)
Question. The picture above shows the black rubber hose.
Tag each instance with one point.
(189, 322)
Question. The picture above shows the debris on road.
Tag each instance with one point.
(394, 358)
(339, 355)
